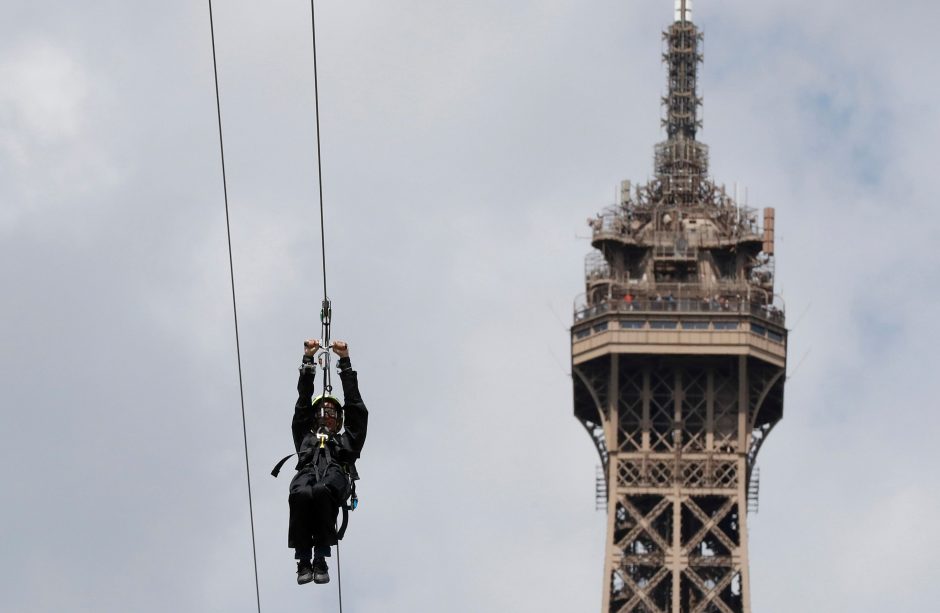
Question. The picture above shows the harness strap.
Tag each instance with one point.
(277, 467)
(347, 507)
(316, 459)
(329, 458)
(342, 528)
(316, 463)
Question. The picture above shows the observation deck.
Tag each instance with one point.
(679, 327)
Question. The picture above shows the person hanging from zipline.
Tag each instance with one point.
(328, 437)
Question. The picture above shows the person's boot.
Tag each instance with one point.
(321, 572)
(304, 572)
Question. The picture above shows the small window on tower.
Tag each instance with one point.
(664, 325)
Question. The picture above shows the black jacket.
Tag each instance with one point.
(345, 447)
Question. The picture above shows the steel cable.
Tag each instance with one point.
(326, 308)
(238, 353)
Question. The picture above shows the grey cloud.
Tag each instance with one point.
(464, 144)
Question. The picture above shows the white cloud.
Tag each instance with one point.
(48, 149)
(45, 92)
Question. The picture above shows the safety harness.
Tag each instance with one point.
(321, 454)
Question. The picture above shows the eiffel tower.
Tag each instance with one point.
(678, 355)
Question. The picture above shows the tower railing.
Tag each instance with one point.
(681, 306)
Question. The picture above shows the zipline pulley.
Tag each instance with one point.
(326, 315)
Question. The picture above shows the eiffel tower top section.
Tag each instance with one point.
(681, 241)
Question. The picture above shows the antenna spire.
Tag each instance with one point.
(684, 10)
(682, 58)
(680, 156)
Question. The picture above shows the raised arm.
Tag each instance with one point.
(303, 416)
(356, 416)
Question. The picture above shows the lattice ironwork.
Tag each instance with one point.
(590, 394)
(662, 409)
(645, 589)
(766, 394)
(716, 518)
(630, 473)
(594, 383)
(710, 580)
(643, 532)
(711, 589)
(647, 527)
(660, 473)
(694, 408)
(631, 409)
(711, 537)
(725, 410)
(694, 473)
(725, 474)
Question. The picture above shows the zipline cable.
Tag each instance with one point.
(339, 578)
(326, 308)
(231, 267)
(316, 107)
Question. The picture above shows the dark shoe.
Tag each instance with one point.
(321, 572)
(304, 572)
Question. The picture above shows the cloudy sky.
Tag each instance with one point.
(464, 144)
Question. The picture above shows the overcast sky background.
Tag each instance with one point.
(464, 145)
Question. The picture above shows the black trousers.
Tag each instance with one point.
(314, 505)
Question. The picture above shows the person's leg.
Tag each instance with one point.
(300, 527)
(299, 532)
(327, 496)
(321, 504)
(324, 532)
